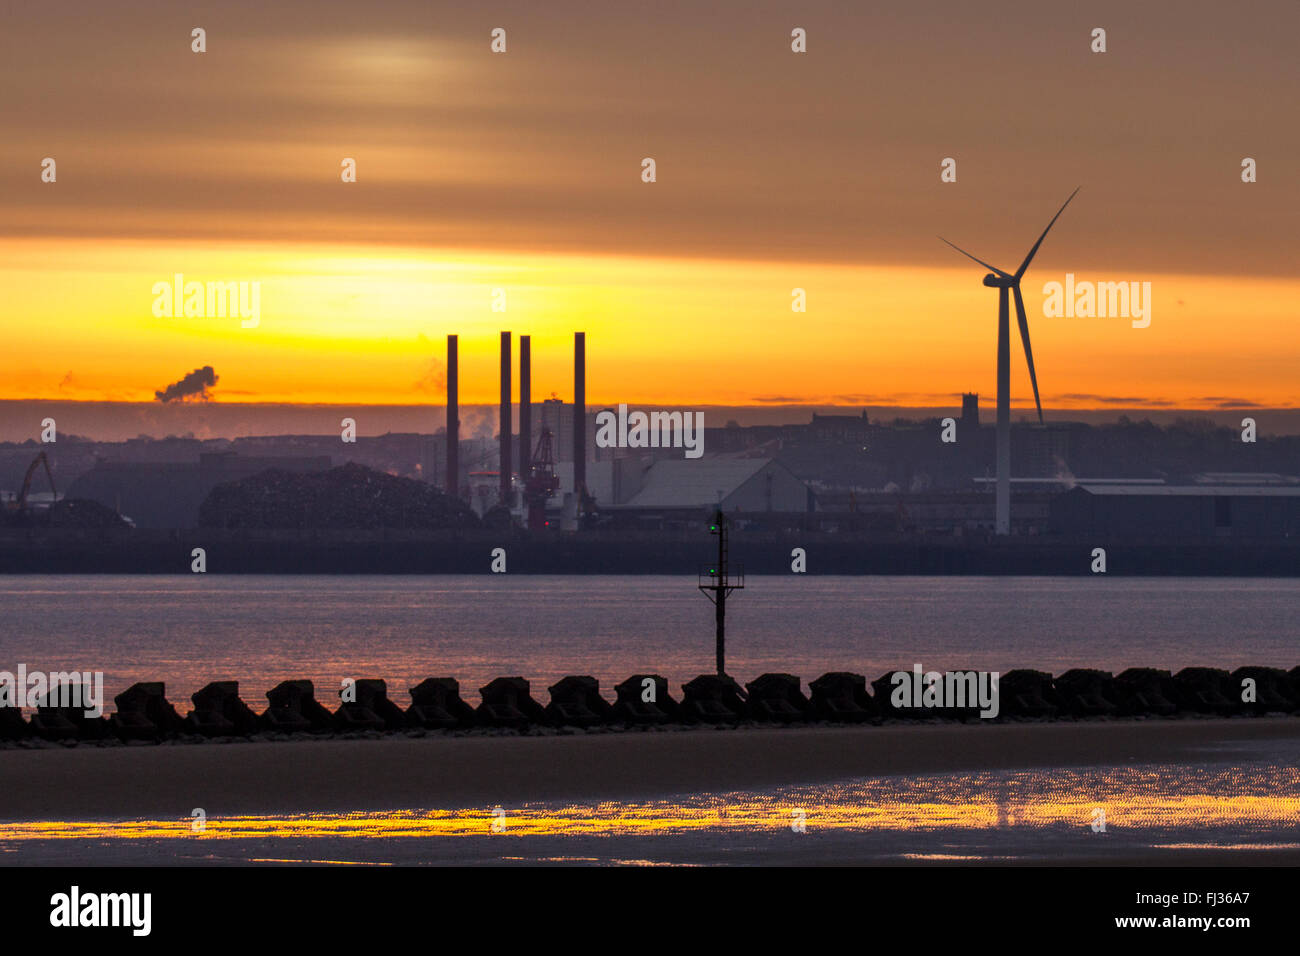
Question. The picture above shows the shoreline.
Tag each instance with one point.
(438, 770)
(27, 552)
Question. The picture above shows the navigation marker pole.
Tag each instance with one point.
(717, 580)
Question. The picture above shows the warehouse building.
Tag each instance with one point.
(1197, 511)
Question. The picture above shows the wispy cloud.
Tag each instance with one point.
(1124, 401)
(541, 147)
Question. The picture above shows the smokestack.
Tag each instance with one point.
(525, 405)
(453, 420)
(507, 428)
(580, 413)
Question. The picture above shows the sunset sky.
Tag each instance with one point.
(776, 170)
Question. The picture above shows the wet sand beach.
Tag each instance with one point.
(449, 771)
(1171, 792)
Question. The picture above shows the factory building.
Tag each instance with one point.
(557, 415)
(1199, 511)
(674, 491)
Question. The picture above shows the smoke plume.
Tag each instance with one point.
(193, 385)
(434, 379)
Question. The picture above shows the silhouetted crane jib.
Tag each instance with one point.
(40, 459)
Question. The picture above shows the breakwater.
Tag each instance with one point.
(143, 712)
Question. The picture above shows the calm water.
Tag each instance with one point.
(187, 631)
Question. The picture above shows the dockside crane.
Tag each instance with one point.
(540, 481)
(19, 504)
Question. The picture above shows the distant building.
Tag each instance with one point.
(1041, 451)
(610, 481)
(1191, 512)
(953, 513)
(733, 484)
(970, 412)
(841, 428)
(557, 415)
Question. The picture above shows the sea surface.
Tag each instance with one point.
(187, 631)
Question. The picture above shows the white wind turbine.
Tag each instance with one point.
(1001, 281)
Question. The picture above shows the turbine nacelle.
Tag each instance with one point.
(997, 279)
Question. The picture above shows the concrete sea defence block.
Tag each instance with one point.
(56, 720)
(371, 710)
(507, 702)
(643, 699)
(12, 724)
(295, 709)
(436, 704)
(1274, 692)
(777, 697)
(144, 713)
(1087, 692)
(713, 699)
(842, 696)
(576, 701)
(1028, 693)
(1146, 691)
(1207, 690)
(952, 685)
(219, 711)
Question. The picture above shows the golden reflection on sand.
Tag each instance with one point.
(1132, 799)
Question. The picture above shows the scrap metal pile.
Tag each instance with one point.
(348, 497)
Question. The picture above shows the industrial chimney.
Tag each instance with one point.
(580, 415)
(506, 422)
(525, 406)
(453, 420)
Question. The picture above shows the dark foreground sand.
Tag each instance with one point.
(461, 771)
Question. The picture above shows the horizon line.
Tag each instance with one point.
(1027, 406)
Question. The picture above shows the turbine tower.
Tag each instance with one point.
(997, 279)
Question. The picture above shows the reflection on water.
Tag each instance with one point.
(268, 859)
(261, 630)
(1254, 806)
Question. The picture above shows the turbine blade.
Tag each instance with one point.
(1025, 265)
(1029, 353)
(980, 261)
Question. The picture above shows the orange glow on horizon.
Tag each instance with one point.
(366, 326)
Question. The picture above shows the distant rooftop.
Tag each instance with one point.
(1245, 478)
(681, 482)
(1238, 482)
(1071, 482)
(1202, 490)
